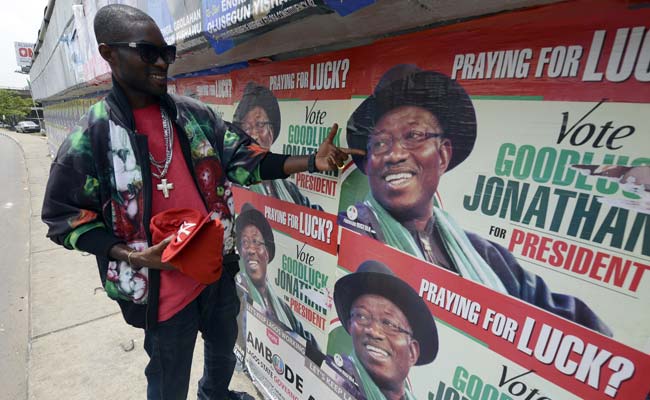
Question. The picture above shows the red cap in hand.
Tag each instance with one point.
(197, 246)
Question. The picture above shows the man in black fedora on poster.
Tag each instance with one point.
(391, 328)
(258, 114)
(256, 246)
(416, 126)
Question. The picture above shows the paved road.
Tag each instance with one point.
(14, 270)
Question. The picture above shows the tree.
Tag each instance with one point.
(13, 107)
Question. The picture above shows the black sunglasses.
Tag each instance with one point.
(149, 53)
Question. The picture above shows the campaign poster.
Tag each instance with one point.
(240, 343)
(227, 21)
(429, 333)
(62, 117)
(287, 264)
(290, 107)
(525, 167)
(180, 21)
(213, 90)
(277, 364)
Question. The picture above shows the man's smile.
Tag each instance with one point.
(398, 178)
(377, 353)
(159, 77)
(252, 264)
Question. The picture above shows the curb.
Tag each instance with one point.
(15, 141)
(29, 266)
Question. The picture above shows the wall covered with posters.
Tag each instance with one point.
(68, 59)
(493, 242)
(60, 118)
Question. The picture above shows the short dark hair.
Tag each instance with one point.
(114, 21)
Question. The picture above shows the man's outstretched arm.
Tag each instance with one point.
(328, 157)
(246, 163)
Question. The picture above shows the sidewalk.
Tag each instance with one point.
(80, 347)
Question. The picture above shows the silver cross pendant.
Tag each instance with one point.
(165, 187)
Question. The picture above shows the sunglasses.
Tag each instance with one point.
(149, 53)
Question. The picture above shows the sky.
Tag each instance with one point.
(20, 21)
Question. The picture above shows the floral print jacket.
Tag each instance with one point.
(100, 188)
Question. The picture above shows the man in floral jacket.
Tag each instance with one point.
(139, 152)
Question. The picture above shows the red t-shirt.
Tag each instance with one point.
(176, 289)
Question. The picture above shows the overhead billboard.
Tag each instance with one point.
(24, 53)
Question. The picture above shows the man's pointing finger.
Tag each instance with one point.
(333, 130)
(354, 152)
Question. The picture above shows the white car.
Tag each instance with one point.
(27, 126)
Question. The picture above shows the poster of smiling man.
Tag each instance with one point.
(502, 205)
(288, 261)
(523, 169)
(406, 330)
(289, 107)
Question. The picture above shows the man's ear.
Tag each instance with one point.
(107, 53)
(414, 351)
(445, 151)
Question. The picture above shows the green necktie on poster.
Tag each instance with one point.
(257, 298)
(466, 259)
(369, 387)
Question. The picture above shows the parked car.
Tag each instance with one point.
(27, 126)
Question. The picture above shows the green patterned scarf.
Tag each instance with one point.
(257, 298)
(466, 259)
(369, 387)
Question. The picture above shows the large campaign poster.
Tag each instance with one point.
(493, 242)
(557, 174)
(516, 157)
(483, 344)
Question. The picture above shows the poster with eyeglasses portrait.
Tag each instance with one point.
(429, 333)
(290, 108)
(503, 196)
(287, 265)
(515, 159)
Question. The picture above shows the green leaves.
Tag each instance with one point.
(12, 106)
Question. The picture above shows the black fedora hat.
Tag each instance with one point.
(408, 85)
(374, 277)
(249, 215)
(258, 96)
